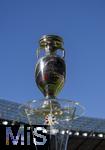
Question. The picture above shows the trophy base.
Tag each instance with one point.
(51, 112)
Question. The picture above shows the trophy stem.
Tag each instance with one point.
(49, 97)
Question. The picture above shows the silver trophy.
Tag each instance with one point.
(50, 73)
(50, 69)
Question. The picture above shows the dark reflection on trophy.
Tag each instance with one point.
(51, 69)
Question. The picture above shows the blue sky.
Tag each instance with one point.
(82, 25)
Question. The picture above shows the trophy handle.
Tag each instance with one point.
(38, 51)
(63, 52)
(61, 49)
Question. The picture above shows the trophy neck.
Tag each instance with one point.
(51, 43)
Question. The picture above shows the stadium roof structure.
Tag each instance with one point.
(85, 134)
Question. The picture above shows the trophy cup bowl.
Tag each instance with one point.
(50, 75)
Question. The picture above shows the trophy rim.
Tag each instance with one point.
(51, 37)
(57, 41)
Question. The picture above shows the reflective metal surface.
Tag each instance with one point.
(50, 75)
(50, 71)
